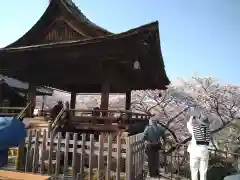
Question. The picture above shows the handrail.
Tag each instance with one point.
(58, 117)
(12, 108)
(110, 111)
(8, 114)
(20, 115)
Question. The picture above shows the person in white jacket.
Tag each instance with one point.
(198, 147)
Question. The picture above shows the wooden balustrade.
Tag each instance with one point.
(17, 112)
(86, 121)
(12, 108)
(86, 156)
(111, 112)
(89, 121)
(10, 111)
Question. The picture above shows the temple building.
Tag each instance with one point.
(65, 50)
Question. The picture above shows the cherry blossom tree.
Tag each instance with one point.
(220, 102)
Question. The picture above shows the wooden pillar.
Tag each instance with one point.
(128, 100)
(73, 102)
(43, 104)
(105, 96)
(31, 98)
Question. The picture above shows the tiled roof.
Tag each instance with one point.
(14, 83)
(78, 13)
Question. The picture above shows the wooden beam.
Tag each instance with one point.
(105, 89)
(105, 95)
(73, 100)
(43, 104)
(118, 77)
(80, 128)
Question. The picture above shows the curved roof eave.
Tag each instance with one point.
(45, 21)
(76, 12)
(24, 40)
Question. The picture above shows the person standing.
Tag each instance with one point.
(198, 147)
(56, 110)
(153, 134)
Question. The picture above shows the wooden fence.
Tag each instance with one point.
(84, 156)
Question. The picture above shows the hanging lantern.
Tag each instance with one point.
(136, 65)
(160, 95)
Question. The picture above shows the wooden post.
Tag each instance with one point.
(49, 129)
(20, 157)
(31, 98)
(105, 96)
(128, 100)
(129, 163)
(43, 104)
(73, 101)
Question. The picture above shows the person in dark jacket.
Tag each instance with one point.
(56, 110)
(153, 134)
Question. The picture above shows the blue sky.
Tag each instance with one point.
(197, 36)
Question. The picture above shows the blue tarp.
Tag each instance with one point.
(12, 134)
(3, 157)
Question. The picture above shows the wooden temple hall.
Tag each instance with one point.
(66, 51)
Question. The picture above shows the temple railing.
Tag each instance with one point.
(108, 113)
(175, 165)
(10, 111)
(24, 111)
(111, 156)
(100, 120)
(103, 157)
(18, 112)
(57, 120)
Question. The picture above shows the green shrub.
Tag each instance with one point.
(217, 170)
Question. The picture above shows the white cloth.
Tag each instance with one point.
(199, 156)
